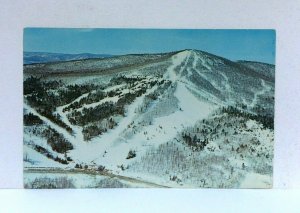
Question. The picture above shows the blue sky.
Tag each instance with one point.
(254, 45)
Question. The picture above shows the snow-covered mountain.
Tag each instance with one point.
(44, 57)
(179, 119)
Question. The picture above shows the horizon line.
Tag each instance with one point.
(144, 53)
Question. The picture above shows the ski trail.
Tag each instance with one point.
(194, 64)
(111, 141)
(202, 75)
(195, 61)
(114, 134)
(114, 87)
(201, 93)
(79, 98)
(204, 63)
(189, 69)
(59, 129)
(264, 89)
(227, 87)
(94, 104)
(244, 101)
(76, 129)
(189, 104)
(176, 61)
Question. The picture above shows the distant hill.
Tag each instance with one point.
(44, 57)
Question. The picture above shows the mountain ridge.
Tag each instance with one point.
(84, 63)
(87, 55)
(46, 57)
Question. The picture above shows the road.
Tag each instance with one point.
(93, 172)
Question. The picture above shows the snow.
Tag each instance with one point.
(110, 142)
(254, 180)
(50, 123)
(39, 160)
(251, 124)
(194, 104)
(202, 93)
(114, 87)
(79, 98)
(79, 180)
(204, 63)
(92, 105)
(176, 61)
(189, 105)
(264, 89)
(228, 88)
(77, 131)
(117, 147)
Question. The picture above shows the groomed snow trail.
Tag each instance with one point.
(76, 129)
(204, 63)
(78, 136)
(176, 61)
(264, 89)
(111, 142)
(188, 103)
(59, 129)
(255, 180)
(92, 105)
(228, 88)
(166, 128)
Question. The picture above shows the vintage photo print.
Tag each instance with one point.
(171, 108)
